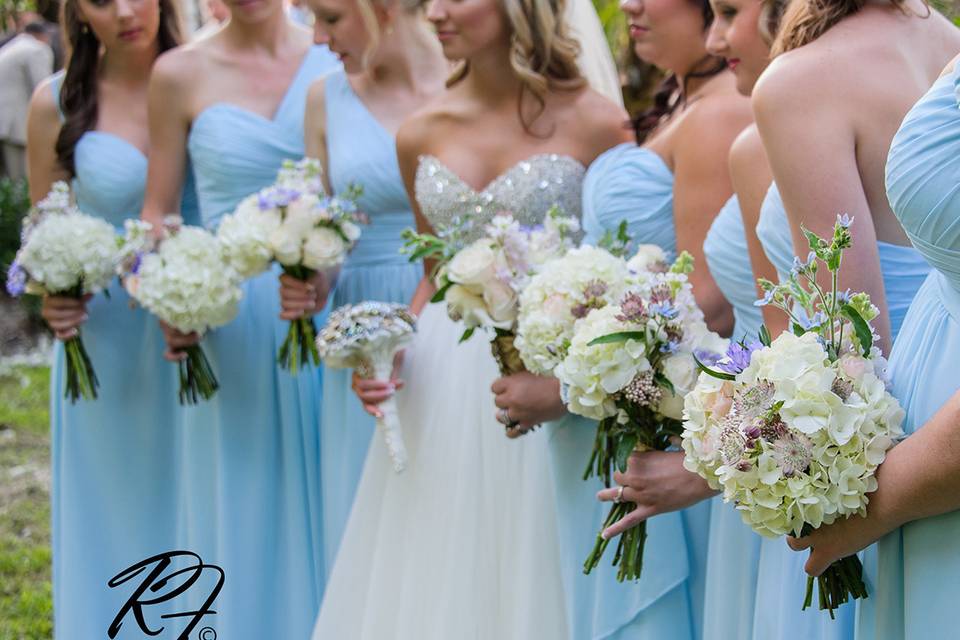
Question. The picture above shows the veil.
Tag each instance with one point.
(595, 60)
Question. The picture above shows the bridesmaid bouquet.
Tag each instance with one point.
(294, 224)
(481, 281)
(366, 337)
(629, 365)
(64, 252)
(185, 283)
(792, 430)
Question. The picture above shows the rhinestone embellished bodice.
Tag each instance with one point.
(527, 190)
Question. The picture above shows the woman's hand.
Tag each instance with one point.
(64, 314)
(657, 482)
(372, 392)
(528, 400)
(299, 298)
(177, 341)
(832, 542)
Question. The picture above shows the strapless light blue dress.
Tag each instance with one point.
(115, 460)
(360, 151)
(626, 183)
(914, 573)
(734, 551)
(781, 581)
(252, 490)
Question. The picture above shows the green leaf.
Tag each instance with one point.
(620, 336)
(797, 329)
(720, 375)
(467, 334)
(664, 382)
(764, 336)
(441, 292)
(864, 335)
(812, 239)
(624, 448)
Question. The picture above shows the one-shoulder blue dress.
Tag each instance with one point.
(634, 184)
(359, 151)
(914, 573)
(252, 498)
(781, 582)
(734, 550)
(115, 460)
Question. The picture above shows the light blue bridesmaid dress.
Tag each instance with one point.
(252, 489)
(360, 151)
(734, 550)
(625, 183)
(914, 573)
(781, 581)
(115, 460)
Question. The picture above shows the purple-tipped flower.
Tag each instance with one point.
(844, 221)
(137, 261)
(738, 357)
(16, 280)
(632, 309)
(793, 453)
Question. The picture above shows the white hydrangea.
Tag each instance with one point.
(186, 282)
(244, 236)
(66, 249)
(795, 439)
(554, 301)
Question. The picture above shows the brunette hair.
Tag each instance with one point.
(806, 20)
(78, 93)
(669, 95)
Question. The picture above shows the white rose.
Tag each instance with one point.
(464, 305)
(474, 264)
(323, 248)
(287, 245)
(350, 230)
(646, 256)
(501, 302)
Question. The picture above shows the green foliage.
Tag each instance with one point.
(26, 610)
(14, 203)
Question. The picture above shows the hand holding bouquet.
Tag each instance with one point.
(366, 337)
(66, 253)
(185, 283)
(629, 365)
(294, 224)
(792, 430)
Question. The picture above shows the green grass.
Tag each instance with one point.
(26, 611)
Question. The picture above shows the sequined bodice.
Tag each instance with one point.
(527, 190)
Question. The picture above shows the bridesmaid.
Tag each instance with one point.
(115, 460)
(667, 188)
(741, 33)
(837, 168)
(395, 65)
(233, 104)
(913, 572)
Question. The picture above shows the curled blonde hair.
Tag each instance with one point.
(543, 53)
(806, 20)
(771, 13)
(369, 17)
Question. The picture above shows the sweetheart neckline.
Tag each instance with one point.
(503, 175)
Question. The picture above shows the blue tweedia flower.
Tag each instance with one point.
(809, 323)
(664, 309)
(844, 297)
(708, 358)
(766, 299)
(276, 197)
(844, 221)
(16, 280)
(672, 346)
(800, 266)
(738, 356)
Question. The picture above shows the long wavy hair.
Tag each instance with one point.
(78, 94)
(806, 20)
(543, 53)
(670, 95)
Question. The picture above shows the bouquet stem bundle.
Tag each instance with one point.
(197, 379)
(81, 378)
(300, 346)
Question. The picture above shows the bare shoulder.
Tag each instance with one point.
(597, 120)
(795, 81)
(43, 105)
(177, 68)
(428, 125)
(316, 93)
(747, 152)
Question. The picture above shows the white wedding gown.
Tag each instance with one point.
(462, 545)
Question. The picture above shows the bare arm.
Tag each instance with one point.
(751, 177)
(811, 146)
(701, 187)
(168, 105)
(919, 479)
(43, 127)
(315, 129)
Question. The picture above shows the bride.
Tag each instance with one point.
(463, 543)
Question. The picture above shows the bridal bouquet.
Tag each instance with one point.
(481, 282)
(185, 282)
(293, 223)
(366, 337)
(792, 430)
(64, 252)
(629, 365)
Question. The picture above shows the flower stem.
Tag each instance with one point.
(81, 378)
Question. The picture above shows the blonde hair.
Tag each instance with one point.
(806, 20)
(543, 53)
(771, 13)
(369, 17)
